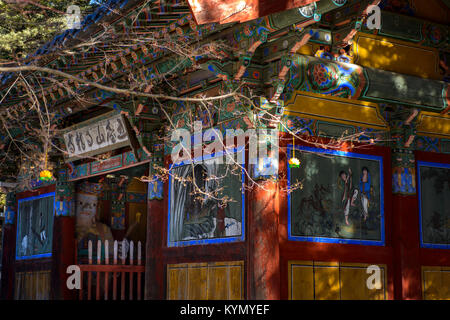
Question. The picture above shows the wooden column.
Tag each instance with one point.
(154, 266)
(63, 245)
(8, 261)
(63, 255)
(405, 211)
(407, 269)
(264, 255)
(9, 249)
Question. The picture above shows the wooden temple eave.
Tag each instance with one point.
(95, 72)
(243, 67)
(92, 70)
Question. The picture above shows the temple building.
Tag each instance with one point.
(350, 201)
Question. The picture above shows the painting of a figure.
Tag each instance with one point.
(434, 193)
(155, 189)
(404, 180)
(35, 227)
(340, 198)
(88, 227)
(206, 204)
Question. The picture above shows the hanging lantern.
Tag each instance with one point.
(293, 162)
(45, 175)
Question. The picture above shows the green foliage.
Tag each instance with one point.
(2, 200)
(26, 25)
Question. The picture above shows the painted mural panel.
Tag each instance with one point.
(338, 197)
(214, 214)
(35, 227)
(434, 191)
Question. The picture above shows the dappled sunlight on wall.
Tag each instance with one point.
(397, 56)
(313, 280)
(436, 283)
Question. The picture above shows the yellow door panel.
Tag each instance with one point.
(333, 281)
(199, 277)
(32, 285)
(354, 284)
(237, 282)
(436, 283)
(214, 280)
(303, 287)
(326, 279)
(177, 283)
(218, 283)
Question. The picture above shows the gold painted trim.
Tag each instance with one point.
(395, 55)
(433, 124)
(336, 109)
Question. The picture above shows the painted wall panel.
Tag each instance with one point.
(434, 201)
(341, 200)
(195, 219)
(35, 227)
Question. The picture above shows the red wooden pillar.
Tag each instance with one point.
(8, 262)
(406, 248)
(154, 267)
(9, 248)
(63, 255)
(63, 245)
(264, 255)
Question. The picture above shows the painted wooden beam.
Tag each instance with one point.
(351, 81)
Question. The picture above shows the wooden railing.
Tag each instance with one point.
(120, 274)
